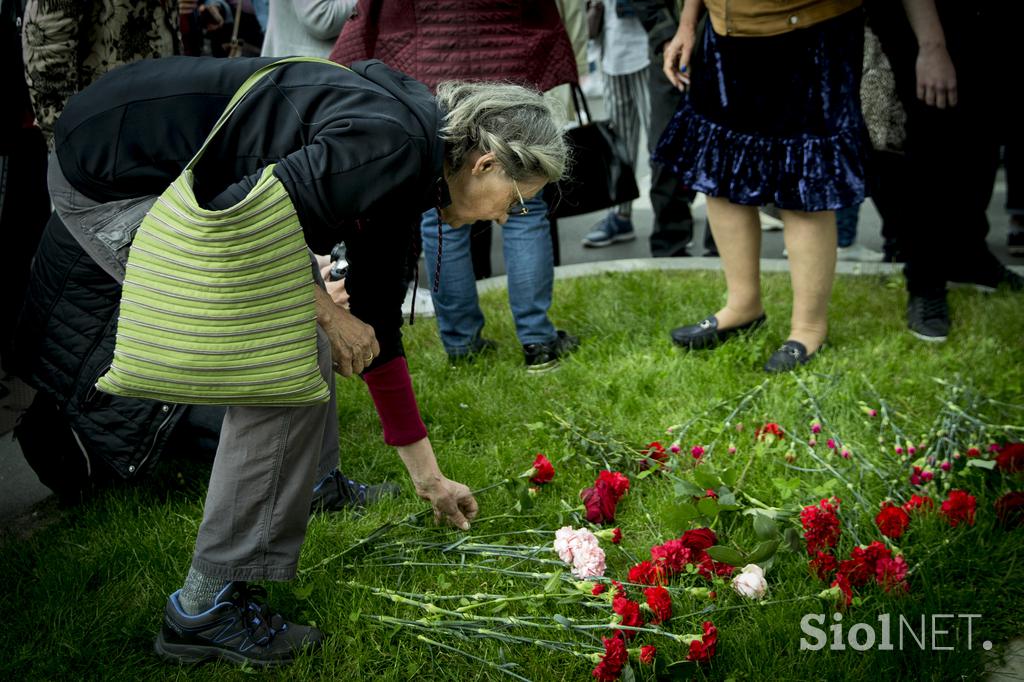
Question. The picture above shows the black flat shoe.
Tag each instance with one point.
(789, 356)
(706, 333)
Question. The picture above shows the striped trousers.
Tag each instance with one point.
(629, 108)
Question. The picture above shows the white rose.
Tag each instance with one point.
(750, 582)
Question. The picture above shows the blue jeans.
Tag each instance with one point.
(526, 242)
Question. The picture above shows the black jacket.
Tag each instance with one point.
(358, 152)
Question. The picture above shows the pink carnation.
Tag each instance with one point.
(580, 548)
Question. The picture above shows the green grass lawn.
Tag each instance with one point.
(82, 598)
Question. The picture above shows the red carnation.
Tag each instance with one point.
(620, 590)
(616, 536)
(770, 429)
(823, 564)
(653, 452)
(598, 589)
(603, 497)
(821, 525)
(1010, 509)
(843, 583)
(1010, 459)
(673, 555)
(959, 507)
(647, 652)
(918, 502)
(646, 573)
(892, 520)
(629, 611)
(701, 650)
(660, 603)
(860, 568)
(891, 573)
(543, 470)
(615, 656)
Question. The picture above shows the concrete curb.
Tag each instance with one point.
(695, 263)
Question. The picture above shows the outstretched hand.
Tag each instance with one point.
(452, 501)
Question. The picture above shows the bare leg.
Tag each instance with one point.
(811, 242)
(737, 232)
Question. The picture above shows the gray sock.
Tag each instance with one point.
(198, 592)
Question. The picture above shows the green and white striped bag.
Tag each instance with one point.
(217, 306)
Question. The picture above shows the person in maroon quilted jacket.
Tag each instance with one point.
(518, 41)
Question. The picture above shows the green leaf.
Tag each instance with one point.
(730, 475)
(706, 478)
(553, 582)
(726, 555)
(562, 620)
(303, 591)
(627, 674)
(726, 498)
(982, 463)
(679, 517)
(763, 551)
(708, 507)
(688, 489)
(792, 538)
(644, 474)
(765, 527)
(534, 426)
(354, 616)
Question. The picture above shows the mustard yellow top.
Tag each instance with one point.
(743, 18)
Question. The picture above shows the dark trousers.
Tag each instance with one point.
(24, 210)
(670, 199)
(952, 154)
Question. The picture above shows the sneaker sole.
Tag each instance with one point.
(617, 239)
(194, 654)
(929, 339)
(983, 288)
(542, 368)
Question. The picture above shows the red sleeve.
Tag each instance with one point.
(391, 388)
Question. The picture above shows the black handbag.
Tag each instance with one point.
(600, 175)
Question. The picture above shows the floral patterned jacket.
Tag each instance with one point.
(67, 44)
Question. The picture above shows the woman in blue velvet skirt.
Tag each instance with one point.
(771, 114)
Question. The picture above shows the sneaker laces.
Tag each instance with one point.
(259, 622)
(346, 487)
(934, 308)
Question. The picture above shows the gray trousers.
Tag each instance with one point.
(268, 458)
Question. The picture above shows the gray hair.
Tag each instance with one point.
(522, 129)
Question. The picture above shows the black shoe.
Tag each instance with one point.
(928, 317)
(239, 627)
(336, 492)
(543, 357)
(706, 334)
(789, 356)
(479, 347)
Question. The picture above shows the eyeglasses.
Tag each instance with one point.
(518, 207)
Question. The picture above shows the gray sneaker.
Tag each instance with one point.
(928, 317)
(337, 492)
(612, 230)
(239, 627)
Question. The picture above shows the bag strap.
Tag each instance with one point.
(577, 98)
(242, 91)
